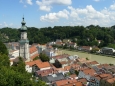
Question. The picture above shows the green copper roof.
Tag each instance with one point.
(23, 25)
(24, 41)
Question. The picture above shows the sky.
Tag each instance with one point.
(50, 13)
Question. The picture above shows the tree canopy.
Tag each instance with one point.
(3, 49)
(43, 57)
(84, 35)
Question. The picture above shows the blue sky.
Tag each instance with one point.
(45, 13)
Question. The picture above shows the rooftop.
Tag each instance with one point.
(61, 56)
(65, 82)
(112, 80)
(33, 49)
(89, 71)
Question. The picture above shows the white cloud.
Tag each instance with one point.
(96, 0)
(112, 7)
(5, 24)
(11, 24)
(0, 24)
(21, 1)
(52, 17)
(29, 2)
(89, 15)
(46, 5)
(83, 16)
(45, 8)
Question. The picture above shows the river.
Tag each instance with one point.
(92, 57)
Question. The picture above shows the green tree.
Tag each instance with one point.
(11, 77)
(57, 64)
(76, 72)
(94, 50)
(43, 57)
(4, 60)
(36, 58)
(3, 49)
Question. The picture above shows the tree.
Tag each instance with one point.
(4, 60)
(57, 64)
(76, 72)
(36, 58)
(3, 49)
(87, 58)
(16, 77)
(94, 50)
(111, 45)
(43, 57)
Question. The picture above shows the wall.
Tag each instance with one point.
(28, 69)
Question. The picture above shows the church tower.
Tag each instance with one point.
(24, 42)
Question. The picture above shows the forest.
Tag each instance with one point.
(85, 35)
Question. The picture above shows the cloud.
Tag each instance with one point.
(89, 15)
(83, 16)
(0, 24)
(112, 7)
(52, 17)
(11, 24)
(5, 24)
(29, 2)
(21, 1)
(46, 5)
(96, 0)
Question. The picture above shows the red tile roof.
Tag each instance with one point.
(65, 82)
(103, 65)
(74, 84)
(39, 63)
(61, 56)
(46, 72)
(92, 63)
(35, 55)
(33, 62)
(32, 49)
(105, 76)
(43, 65)
(112, 80)
(90, 71)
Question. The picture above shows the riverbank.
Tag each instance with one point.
(98, 58)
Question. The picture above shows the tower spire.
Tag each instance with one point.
(23, 22)
(23, 17)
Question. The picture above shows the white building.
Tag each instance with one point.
(14, 54)
(41, 48)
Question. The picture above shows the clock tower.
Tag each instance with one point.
(24, 42)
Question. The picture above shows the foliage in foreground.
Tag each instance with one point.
(15, 75)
